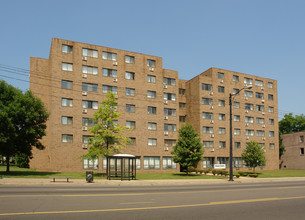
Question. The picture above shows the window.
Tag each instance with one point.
(89, 53)
(169, 142)
(130, 92)
(152, 110)
(260, 133)
(207, 101)
(181, 91)
(206, 87)
(248, 81)
(182, 105)
(65, 120)
(259, 95)
(208, 162)
(271, 121)
(66, 84)
(90, 70)
(236, 105)
(86, 139)
(207, 130)
(223, 160)
(130, 108)
(302, 150)
(152, 142)
(270, 85)
(270, 97)
(170, 111)
(271, 133)
(131, 124)
(220, 75)
(169, 96)
(112, 89)
(249, 132)
(237, 162)
(168, 163)
(207, 115)
(89, 87)
(67, 66)
(89, 104)
(151, 79)
(88, 122)
(258, 83)
(221, 103)
(271, 146)
(131, 141)
(237, 145)
(236, 118)
(208, 144)
(169, 127)
(109, 56)
(109, 72)
(151, 63)
(151, 163)
(248, 94)
(222, 131)
(221, 89)
(129, 75)
(151, 94)
(66, 102)
(129, 59)
(249, 119)
(152, 126)
(222, 144)
(182, 118)
(66, 48)
(235, 78)
(222, 117)
(301, 139)
(260, 121)
(248, 106)
(236, 131)
(169, 81)
(90, 164)
(67, 138)
(271, 109)
(236, 91)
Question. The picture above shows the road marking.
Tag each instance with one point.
(157, 207)
(127, 203)
(153, 193)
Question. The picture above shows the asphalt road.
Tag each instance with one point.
(280, 200)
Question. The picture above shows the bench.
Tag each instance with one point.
(60, 177)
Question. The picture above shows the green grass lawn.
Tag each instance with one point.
(281, 173)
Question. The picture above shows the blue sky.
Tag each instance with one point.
(262, 37)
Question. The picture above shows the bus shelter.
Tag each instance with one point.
(122, 166)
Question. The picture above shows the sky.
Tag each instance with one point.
(262, 37)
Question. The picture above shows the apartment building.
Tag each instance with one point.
(153, 101)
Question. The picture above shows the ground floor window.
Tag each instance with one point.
(168, 163)
(112, 163)
(151, 162)
(237, 162)
(90, 163)
(208, 162)
(223, 160)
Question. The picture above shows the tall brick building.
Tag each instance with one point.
(153, 101)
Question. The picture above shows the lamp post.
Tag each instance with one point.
(231, 132)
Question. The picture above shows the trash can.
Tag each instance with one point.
(89, 176)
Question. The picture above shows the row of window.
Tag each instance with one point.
(248, 106)
(221, 89)
(208, 162)
(248, 132)
(86, 52)
(237, 145)
(248, 119)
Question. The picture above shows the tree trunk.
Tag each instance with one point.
(187, 171)
(253, 169)
(7, 163)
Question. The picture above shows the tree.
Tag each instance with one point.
(22, 122)
(282, 148)
(253, 155)
(108, 136)
(188, 151)
(290, 123)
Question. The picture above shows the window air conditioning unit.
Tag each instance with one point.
(211, 107)
(221, 81)
(211, 93)
(246, 98)
(151, 69)
(84, 93)
(263, 126)
(166, 133)
(263, 113)
(247, 124)
(263, 100)
(212, 135)
(212, 122)
(84, 76)
(85, 146)
(247, 111)
(264, 138)
(166, 148)
(164, 86)
(212, 149)
(165, 102)
(247, 137)
(262, 88)
(84, 58)
(84, 111)
(165, 117)
(115, 63)
(84, 128)
(115, 80)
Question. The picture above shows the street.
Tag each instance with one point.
(272, 200)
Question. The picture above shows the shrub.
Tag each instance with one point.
(242, 173)
(192, 169)
(206, 171)
(225, 173)
(237, 175)
(22, 161)
(253, 175)
(214, 172)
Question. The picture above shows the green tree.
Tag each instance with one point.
(22, 160)
(290, 123)
(188, 151)
(254, 155)
(22, 122)
(282, 148)
(108, 136)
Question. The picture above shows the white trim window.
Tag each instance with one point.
(66, 48)
(109, 56)
(90, 70)
(151, 163)
(90, 164)
(67, 66)
(168, 163)
(67, 138)
(90, 53)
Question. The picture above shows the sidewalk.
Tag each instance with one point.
(29, 181)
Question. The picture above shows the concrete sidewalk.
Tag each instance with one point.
(29, 181)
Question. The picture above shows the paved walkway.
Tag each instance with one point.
(29, 181)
